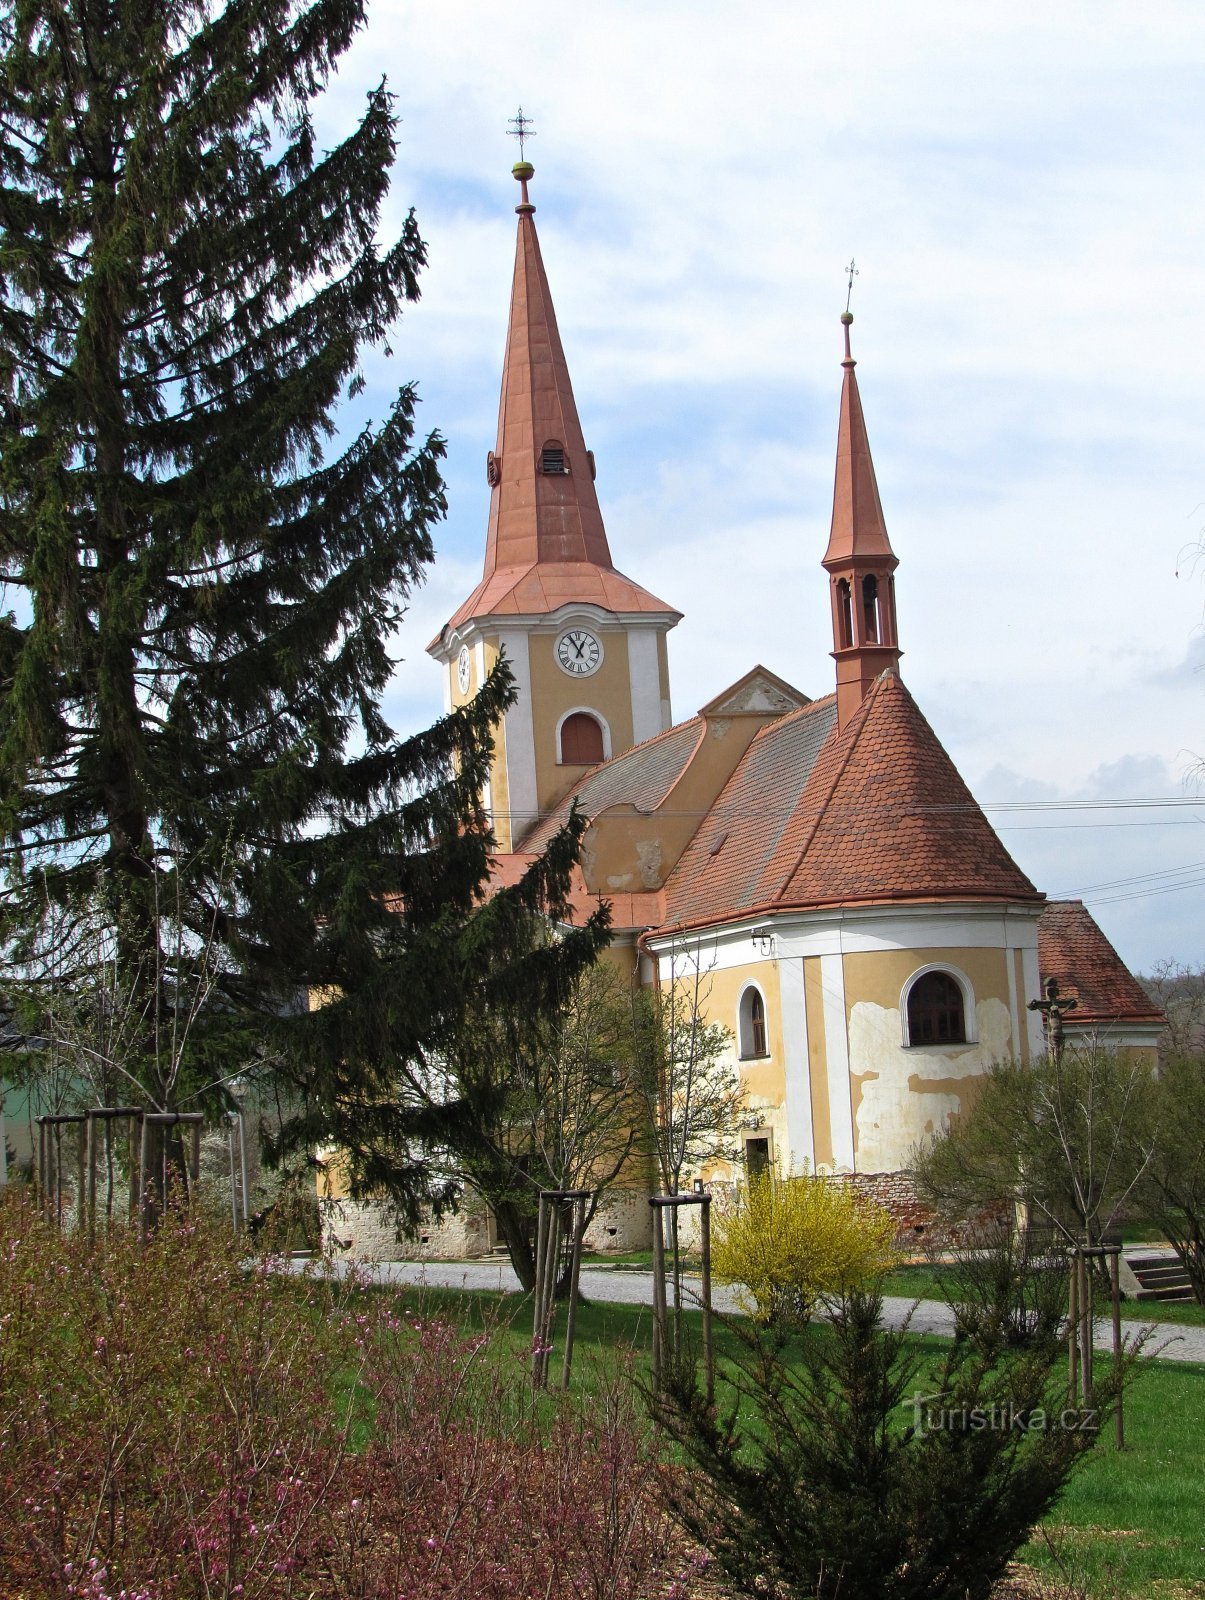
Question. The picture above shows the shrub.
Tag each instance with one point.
(176, 1424)
(793, 1241)
(851, 1473)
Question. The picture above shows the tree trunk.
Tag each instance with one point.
(513, 1225)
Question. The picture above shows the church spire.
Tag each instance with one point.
(543, 505)
(859, 559)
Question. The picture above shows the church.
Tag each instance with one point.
(863, 934)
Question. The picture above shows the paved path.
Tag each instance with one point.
(1171, 1341)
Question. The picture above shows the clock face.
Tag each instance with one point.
(579, 653)
(462, 669)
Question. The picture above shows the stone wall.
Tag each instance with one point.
(366, 1232)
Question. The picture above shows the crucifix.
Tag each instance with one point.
(851, 272)
(521, 128)
(1053, 1009)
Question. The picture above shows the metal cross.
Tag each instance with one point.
(521, 128)
(851, 272)
(1053, 1009)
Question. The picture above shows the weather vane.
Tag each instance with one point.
(521, 128)
(851, 272)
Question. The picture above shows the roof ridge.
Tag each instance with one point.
(854, 729)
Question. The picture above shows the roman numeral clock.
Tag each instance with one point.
(579, 652)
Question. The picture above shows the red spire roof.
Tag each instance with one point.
(858, 527)
(546, 544)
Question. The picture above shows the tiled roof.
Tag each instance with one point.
(641, 777)
(1072, 949)
(877, 812)
(721, 869)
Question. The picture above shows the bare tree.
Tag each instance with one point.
(539, 1102)
(1070, 1135)
(690, 1097)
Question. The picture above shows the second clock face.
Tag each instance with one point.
(579, 653)
(462, 669)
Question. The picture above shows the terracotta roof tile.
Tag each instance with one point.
(876, 812)
(1072, 949)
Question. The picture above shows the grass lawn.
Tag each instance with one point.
(1130, 1524)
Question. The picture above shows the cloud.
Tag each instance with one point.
(1029, 318)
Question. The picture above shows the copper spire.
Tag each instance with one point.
(544, 506)
(546, 544)
(859, 559)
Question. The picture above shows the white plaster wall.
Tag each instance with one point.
(892, 1116)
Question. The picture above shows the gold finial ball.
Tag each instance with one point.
(847, 317)
(522, 171)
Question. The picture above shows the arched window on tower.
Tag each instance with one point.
(581, 740)
(845, 620)
(752, 1024)
(552, 458)
(936, 1010)
(870, 610)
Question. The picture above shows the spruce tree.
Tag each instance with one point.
(205, 575)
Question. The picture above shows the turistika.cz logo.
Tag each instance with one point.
(932, 1414)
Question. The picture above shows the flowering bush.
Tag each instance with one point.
(792, 1241)
(175, 1423)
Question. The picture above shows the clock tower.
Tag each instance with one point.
(586, 645)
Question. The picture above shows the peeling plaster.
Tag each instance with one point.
(648, 854)
(894, 1112)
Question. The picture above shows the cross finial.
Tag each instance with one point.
(521, 128)
(851, 272)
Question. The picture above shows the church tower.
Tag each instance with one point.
(586, 645)
(859, 560)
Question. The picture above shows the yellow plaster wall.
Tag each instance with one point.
(553, 692)
(813, 1000)
(628, 850)
(763, 1079)
(901, 1095)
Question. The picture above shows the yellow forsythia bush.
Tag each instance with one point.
(789, 1242)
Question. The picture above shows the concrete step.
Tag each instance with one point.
(1160, 1275)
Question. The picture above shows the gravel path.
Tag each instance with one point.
(1171, 1342)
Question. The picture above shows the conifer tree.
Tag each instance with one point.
(203, 575)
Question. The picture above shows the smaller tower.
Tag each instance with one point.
(859, 560)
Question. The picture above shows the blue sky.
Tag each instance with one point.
(1020, 188)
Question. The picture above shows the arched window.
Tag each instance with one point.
(870, 610)
(581, 740)
(752, 1032)
(845, 623)
(936, 1010)
(552, 458)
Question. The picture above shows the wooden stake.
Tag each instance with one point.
(658, 1298)
(1115, 1286)
(579, 1227)
(1073, 1332)
(708, 1351)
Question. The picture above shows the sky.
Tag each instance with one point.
(1020, 188)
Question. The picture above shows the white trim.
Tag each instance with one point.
(1014, 1010)
(589, 711)
(520, 738)
(741, 1053)
(1031, 977)
(868, 930)
(836, 1052)
(797, 1077)
(644, 677)
(969, 1020)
